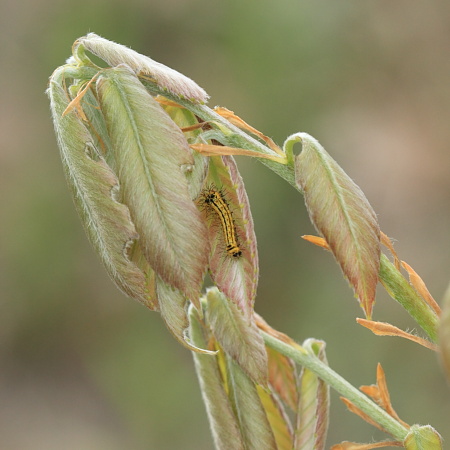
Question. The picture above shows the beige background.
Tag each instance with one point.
(82, 367)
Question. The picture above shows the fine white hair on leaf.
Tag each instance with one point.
(167, 78)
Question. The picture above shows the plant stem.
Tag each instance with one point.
(392, 280)
(401, 291)
(240, 138)
(341, 385)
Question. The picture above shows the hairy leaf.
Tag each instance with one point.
(169, 79)
(173, 306)
(400, 290)
(341, 213)
(195, 174)
(95, 189)
(278, 419)
(238, 336)
(423, 438)
(223, 423)
(151, 153)
(237, 278)
(249, 410)
(314, 404)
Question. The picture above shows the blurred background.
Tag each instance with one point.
(81, 366)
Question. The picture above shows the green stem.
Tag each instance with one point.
(341, 385)
(393, 281)
(240, 138)
(400, 290)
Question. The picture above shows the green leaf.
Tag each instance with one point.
(195, 174)
(237, 278)
(341, 213)
(400, 290)
(314, 404)
(239, 337)
(278, 419)
(150, 155)
(249, 410)
(223, 423)
(115, 54)
(95, 189)
(96, 124)
(423, 438)
(173, 306)
(444, 334)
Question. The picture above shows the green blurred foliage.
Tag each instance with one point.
(84, 368)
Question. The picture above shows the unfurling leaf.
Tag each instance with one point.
(341, 213)
(223, 422)
(95, 189)
(252, 418)
(150, 152)
(278, 419)
(169, 79)
(238, 336)
(423, 438)
(236, 277)
(173, 306)
(313, 406)
(129, 167)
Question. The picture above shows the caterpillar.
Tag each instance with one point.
(214, 200)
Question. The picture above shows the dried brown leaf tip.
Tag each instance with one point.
(386, 329)
(420, 287)
(220, 149)
(264, 326)
(214, 150)
(355, 410)
(283, 377)
(415, 280)
(380, 394)
(240, 123)
(386, 241)
(316, 240)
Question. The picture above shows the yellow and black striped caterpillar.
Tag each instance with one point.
(213, 200)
